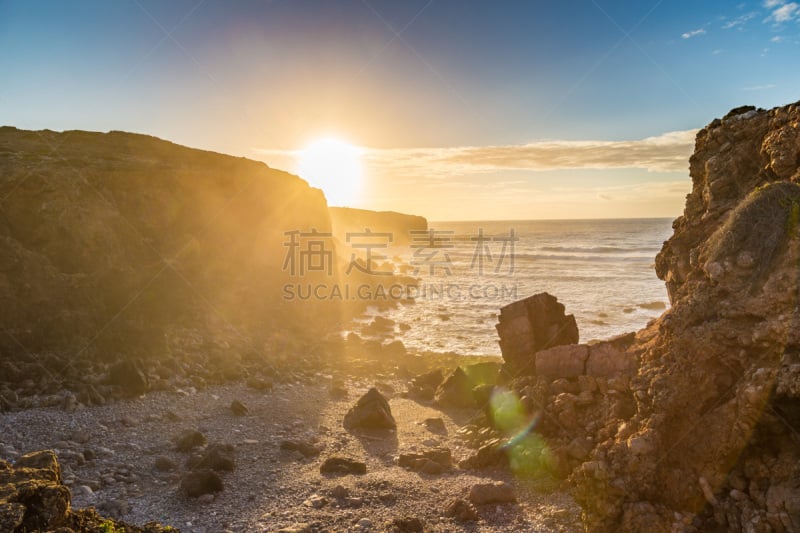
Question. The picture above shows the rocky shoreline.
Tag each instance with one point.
(690, 424)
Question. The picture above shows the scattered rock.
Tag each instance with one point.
(370, 412)
(316, 501)
(436, 425)
(217, 456)
(431, 462)
(238, 408)
(455, 390)
(340, 492)
(165, 464)
(188, 439)
(130, 377)
(259, 384)
(342, 465)
(407, 525)
(424, 386)
(461, 510)
(306, 448)
(198, 482)
(497, 492)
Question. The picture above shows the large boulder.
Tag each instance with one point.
(533, 324)
(372, 411)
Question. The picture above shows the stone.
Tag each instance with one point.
(424, 385)
(408, 524)
(531, 325)
(461, 511)
(315, 501)
(305, 448)
(238, 408)
(165, 464)
(455, 390)
(130, 377)
(567, 361)
(339, 492)
(342, 465)
(435, 425)
(497, 492)
(217, 456)
(431, 462)
(372, 411)
(610, 360)
(198, 482)
(188, 439)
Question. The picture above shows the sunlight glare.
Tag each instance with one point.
(334, 166)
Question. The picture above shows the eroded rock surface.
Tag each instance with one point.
(693, 423)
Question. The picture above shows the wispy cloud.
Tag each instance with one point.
(693, 33)
(759, 87)
(739, 21)
(668, 152)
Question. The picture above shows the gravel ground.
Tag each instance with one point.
(108, 455)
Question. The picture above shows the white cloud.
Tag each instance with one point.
(759, 87)
(776, 39)
(693, 33)
(782, 11)
(738, 21)
(668, 152)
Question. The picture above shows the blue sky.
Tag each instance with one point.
(420, 84)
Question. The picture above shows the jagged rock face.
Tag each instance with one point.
(111, 242)
(713, 443)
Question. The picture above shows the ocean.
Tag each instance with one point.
(601, 270)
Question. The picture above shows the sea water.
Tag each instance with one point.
(601, 270)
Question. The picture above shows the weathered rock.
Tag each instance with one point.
(165, 464)
(711, 404)
(305, 448)
(497, 492)
(238, 408)
(611, 358)
(567, 361)
(198, 482)
(342, 465)
(533, 324)
(372, 411)
(407, 525)
(217, 456)
(424, 386)
(188, 439)
(461, 510)
(431, 462)
(456, 390)
(130, 377)
(436, 425)
(32, 498)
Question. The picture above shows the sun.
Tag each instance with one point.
(334, 166)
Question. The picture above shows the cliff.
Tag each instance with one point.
(123, 246)
(345, 219)
(692, 423)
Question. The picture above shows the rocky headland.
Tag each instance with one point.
(690, 424)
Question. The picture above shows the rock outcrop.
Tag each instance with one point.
(117, 246)
(398, 225)
(533, 324)
(32, 498)
(692, 423)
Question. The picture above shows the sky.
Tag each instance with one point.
(459, 109)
